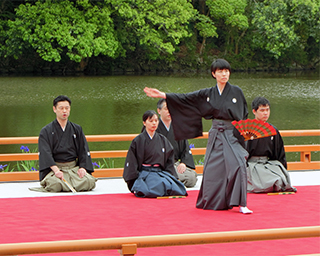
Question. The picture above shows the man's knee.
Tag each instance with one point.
(188, 178)
(51, 183)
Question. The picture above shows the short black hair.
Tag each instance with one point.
(220, 64)
(61, 98)
(259, 101)
(160, 103)
(148, 114)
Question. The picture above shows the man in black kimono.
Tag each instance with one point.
(224, 182)
(267, 160)
(184, 164)
(64, 157)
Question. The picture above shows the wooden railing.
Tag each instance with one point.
(128, 245)
(305, 162)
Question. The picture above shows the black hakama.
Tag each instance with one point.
(149, 167)
(224, 182)
(267, 165)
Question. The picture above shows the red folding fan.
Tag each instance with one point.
(252, 129)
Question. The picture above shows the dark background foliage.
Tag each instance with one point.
(50, 37)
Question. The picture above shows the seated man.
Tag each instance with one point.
(184, 164)
(64, 157)
(267, 160)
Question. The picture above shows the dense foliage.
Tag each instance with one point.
(103, 36)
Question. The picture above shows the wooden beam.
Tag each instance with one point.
(108, 173)
(108, 153)
(130, 137)
(301, 148)
(159, 240)
(19, 157)
(314, 165)
(304, 164)
(299, 133)
(19, 176)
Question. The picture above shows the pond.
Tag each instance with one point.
(115, 104)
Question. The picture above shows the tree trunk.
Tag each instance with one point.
(83, 64)
(203, 46)
(237, 42)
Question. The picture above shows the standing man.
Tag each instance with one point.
(184, 164)
(64, 157)
(224, 180)
(267, 160)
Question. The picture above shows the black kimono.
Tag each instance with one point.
(182, 154)
(224, 182)
(267, 165)
(56, 145)
(149, 167)
(271, 147)
(180, 147)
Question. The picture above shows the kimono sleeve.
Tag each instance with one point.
(84, 157)
(131, 167)
(245, 106)
(185, 110)
(279, 152)
(186, 156)
(45, 152)
(169, 157)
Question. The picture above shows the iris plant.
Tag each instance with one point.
(26, 165)
(24, 148)
(2, 166)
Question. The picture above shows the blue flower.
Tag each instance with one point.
(94, 163)
(24, 148)
(191, 146)
(33, 169)
(2, 166)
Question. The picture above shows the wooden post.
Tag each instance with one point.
(128, 250)
(305, 157)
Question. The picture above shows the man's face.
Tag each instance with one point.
(262, 113)
(164, 113)
(222, 75)
(62, 110)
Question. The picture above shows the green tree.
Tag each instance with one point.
(81, 29)
(106, 35)
(229, 16)
(54, 28)
(6, 13)
(205, 26)
(158, 25)
(284, 24)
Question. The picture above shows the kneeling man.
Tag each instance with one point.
(64, 157)
(267, 160)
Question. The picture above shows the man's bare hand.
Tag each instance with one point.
(181, 168)
(59, 174)
(154, 93)
(82, 172)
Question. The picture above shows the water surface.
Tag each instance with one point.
(115, 104)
